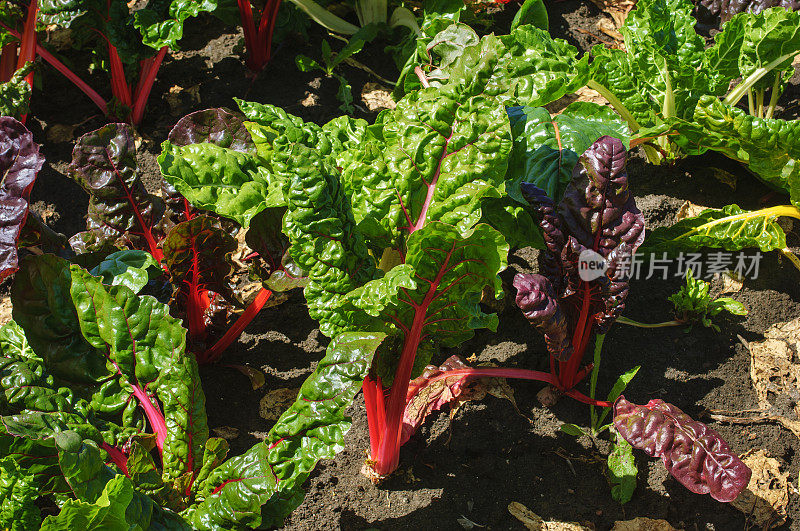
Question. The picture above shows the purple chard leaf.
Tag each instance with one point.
(693, 453)
(596, 220)
(20, 161)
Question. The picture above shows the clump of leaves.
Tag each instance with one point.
(101, 405)
(131, 45)
(193, 248)
(694, 304)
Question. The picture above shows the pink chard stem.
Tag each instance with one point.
(214, 353)
(154, 416)
(117, 457)
(149, 73)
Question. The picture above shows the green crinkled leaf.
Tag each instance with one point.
(215, 453)
(18, 493)
(440, 33)
(663, 73)
(42, 305)
(311, 429)
(613, 76)
(326, 243)
(15, 94)
(278, 135)
(108, 512)
(129, 268)
(513, 220)
(230, 183)
(103, 498)
(37, 458)
(564, 136)
(693, 303)
(161, 23)
(433, 158)
(729, 228)
(440, 282)
(531, 68)
(768, 36)
(146, 349)
(769, 147)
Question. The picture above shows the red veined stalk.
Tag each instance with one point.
(133, 98)
(13, 56)
(258, 40)
(215, 352)
(385, 415)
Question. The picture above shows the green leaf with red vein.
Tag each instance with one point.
(693, 453)
(227, 182)
(311, 429)
(144, 348)
(436, 292)
(431, 159)
(121, 211)
(20, 161)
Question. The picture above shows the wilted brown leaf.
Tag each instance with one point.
(61, 133)
(765, 499)
(180, 98)
(5, 309)
(688, 210)
(617, 9)
(534, 522)
(775, 365)
(255, 376)
(642, 524)
(724, 177)
(610, 28)
(732, 282)
(775, 372)
(377, 97)
(225, 432)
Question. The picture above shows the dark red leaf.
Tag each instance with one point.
(20, 161)
(693, 453)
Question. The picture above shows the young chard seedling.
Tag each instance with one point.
(621, 464)
(693, 305)
(331, 60)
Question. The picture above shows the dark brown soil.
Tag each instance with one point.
(489, 454)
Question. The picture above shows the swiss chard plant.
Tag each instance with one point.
(193, 248)
(669, 80)
(130, 45)
(730, 228)
(672, 91)
(590, 236)
(101, 409)
(384, 220)
(17, 49)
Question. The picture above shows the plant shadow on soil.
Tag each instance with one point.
(489, 454)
